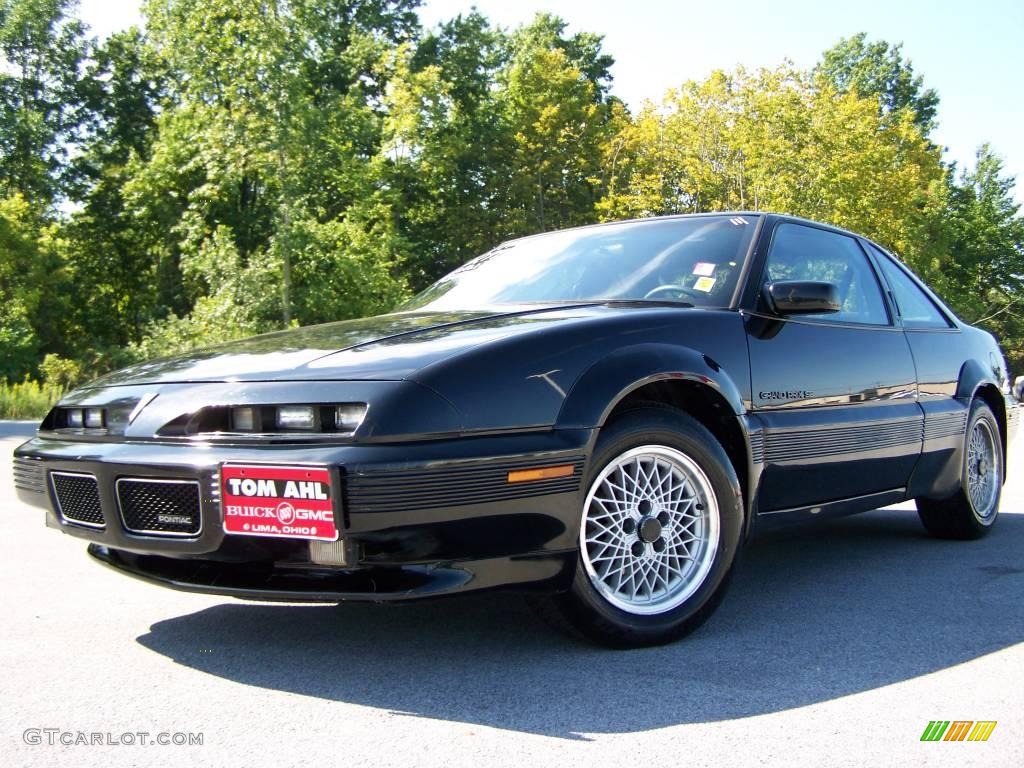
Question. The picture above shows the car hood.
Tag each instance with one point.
(386, 347)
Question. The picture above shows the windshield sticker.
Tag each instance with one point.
(704, 284)
(704, 268)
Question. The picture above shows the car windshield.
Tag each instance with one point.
(694, 261)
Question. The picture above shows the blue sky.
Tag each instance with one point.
(972, 53)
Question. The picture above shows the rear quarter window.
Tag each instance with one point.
(916, 309)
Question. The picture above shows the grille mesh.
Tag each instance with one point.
(168, 507)
(78, 498)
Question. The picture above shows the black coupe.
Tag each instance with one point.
(604, 414)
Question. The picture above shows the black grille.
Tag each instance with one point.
(161, 507)
(29, 475)
(78, 498)
(789, 445)
(757, 447)
(942, 425)
(398, 491)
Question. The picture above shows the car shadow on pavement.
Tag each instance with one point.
(813, 614)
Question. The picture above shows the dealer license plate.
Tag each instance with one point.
(284, 502)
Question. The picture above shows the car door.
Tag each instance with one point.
(939, 349)
(835, 393)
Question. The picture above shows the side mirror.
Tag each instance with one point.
(1018, 388)
(803, 297)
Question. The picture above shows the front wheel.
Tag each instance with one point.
(971, 512)
(659, 531)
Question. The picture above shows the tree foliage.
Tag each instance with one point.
(778, 140)
(237, 167)
(984, 277)
(879, 70)
(42, 48)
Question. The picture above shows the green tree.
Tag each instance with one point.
(879, 69)
(263, 154)
(444, 155)
(28, 272)
(984, 279)
(553, 99)
(41, 105)
(107, 255)
(490, 135)
(42, 116)
(783, 141)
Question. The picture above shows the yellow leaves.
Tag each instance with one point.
(871, 171)
(558, 128)
(16, 213)
(774, 140)
(551, 101)
(416, 102)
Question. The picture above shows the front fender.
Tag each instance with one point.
(602, 386)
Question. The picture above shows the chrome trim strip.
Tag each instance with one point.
(824, 506)
(145, 400)
(296, 436)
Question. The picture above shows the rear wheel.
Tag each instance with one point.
(971, 512)
(659, 530)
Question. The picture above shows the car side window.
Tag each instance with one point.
(805, 253)
(915, 308)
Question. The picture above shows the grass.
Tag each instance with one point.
(27, 399)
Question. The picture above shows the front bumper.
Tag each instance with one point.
(296, 583)
(416, 519)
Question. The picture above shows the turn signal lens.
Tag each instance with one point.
(296, 417)
(347, 418)
(540, 473)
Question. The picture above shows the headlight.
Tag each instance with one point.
(244, 419)
(301, 417)
(93, 418)
(256, 422)
(347, 418)
(74, 418)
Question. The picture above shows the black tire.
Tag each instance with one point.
(958, 517)
(590, 611)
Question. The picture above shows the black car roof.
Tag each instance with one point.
(670, 216)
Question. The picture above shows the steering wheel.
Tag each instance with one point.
(669, 288)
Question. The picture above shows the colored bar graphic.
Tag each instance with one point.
(982, 730)
(958, 730)
(935, 730)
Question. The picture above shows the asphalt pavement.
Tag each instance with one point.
(836, 646)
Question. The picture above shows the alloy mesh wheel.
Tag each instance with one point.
(650, 530)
